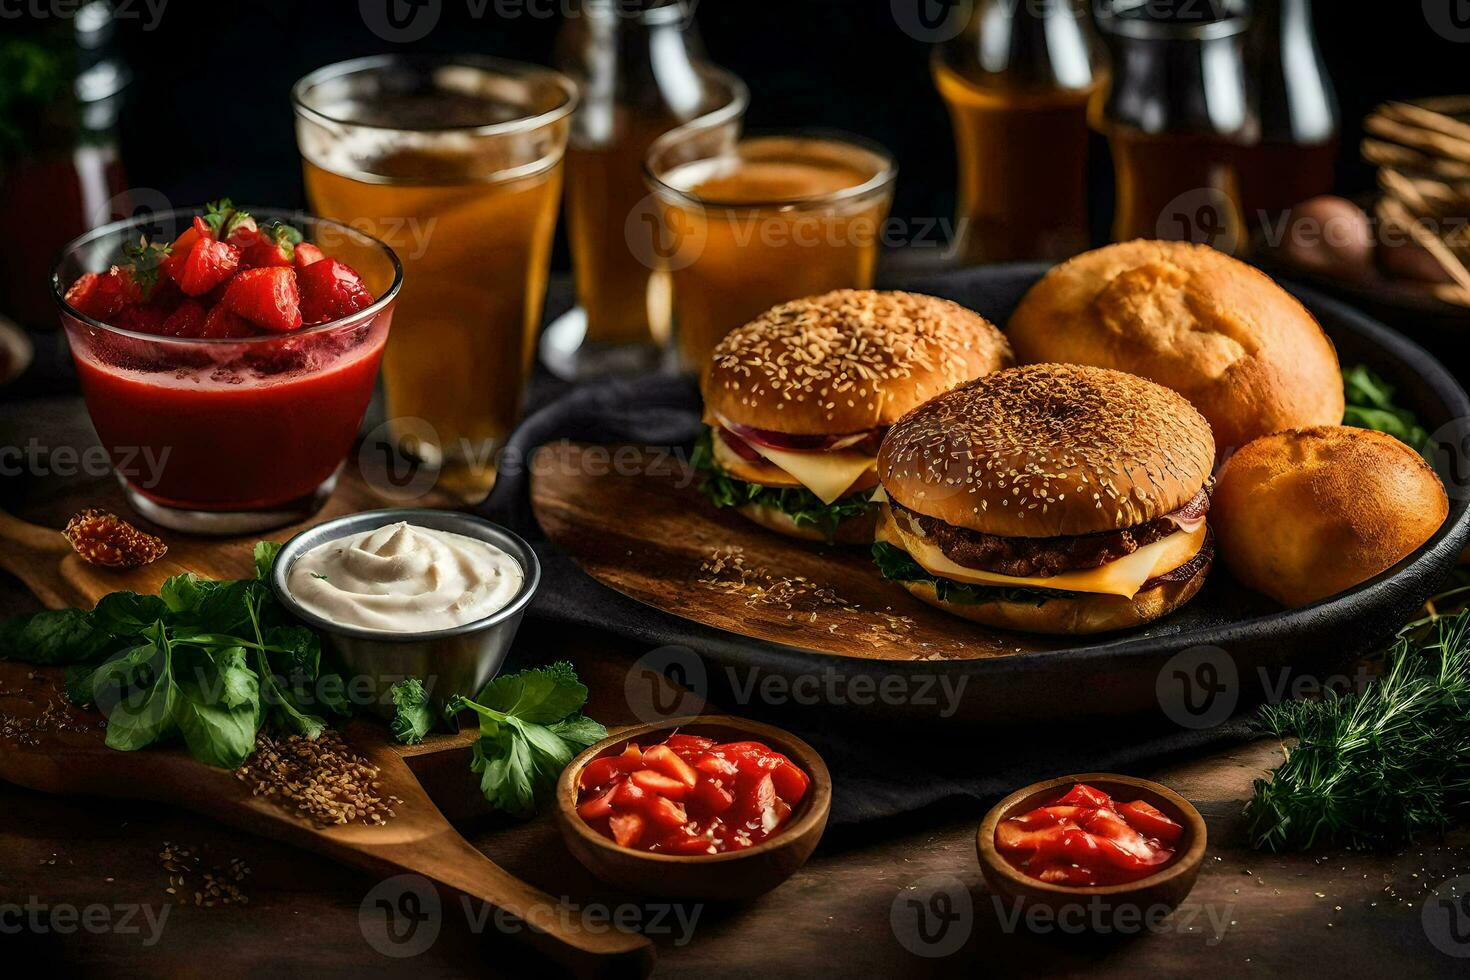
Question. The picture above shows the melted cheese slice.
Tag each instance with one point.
(829, 475)
(1123, 577)
(751, 471)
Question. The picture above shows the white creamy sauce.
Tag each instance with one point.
(405, 579)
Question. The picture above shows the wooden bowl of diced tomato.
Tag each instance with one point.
(714, 808)
(1096, 851)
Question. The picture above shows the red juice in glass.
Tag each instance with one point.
(240, 428)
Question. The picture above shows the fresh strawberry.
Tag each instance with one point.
(266, 297)
(331, 289)
(306, 254)
(102, 296)
(82, 295)
(143, 319)
(178, 254)
(213, 223)
(274, 244)
(223, 322)
(187, 320)
(240, 230)
(209, 264)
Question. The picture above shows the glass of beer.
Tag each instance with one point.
(456, 162)
(745, 224)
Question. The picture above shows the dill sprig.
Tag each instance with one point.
(1377, 768)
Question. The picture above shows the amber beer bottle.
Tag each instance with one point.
(1176, 112)
(1017, 81)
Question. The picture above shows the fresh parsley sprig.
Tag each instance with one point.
(531, 724)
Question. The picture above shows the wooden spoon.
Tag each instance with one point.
(50, 745)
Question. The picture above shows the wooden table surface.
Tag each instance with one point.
(83, 888)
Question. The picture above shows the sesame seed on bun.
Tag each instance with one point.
(1049, 450)
(848, 361)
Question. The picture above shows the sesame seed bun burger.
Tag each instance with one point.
(1051, 498)
(1218, 331)
(798, 400)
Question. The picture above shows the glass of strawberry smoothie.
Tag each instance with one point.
(215, 425)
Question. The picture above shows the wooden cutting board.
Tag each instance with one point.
(51, 746)
(642, 528)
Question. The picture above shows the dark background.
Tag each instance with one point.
(209, 112)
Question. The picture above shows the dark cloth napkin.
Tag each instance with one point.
(880, 768)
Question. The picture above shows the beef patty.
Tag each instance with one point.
(1045, 557)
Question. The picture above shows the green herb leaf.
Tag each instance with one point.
(413, 715)
(217, 704)
(56, 636)
(530, 726)
(137, 694)
(1370, 405)
(265, 558)
(540, 696)
(128, 613)
(1377, 768)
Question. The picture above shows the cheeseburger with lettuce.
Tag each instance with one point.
(798, 401)
(1050, 498)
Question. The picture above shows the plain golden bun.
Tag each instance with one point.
(1305, 514)
(854, 530)
(1076, 615)
(1048, 450)
(848, 361)
(1223, 334)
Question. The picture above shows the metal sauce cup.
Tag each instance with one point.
(453, 661)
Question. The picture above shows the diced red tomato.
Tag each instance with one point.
(665, 812)
(688, 744)
(791, 782)
(1083, 795)
(626, 828)
(667, 761)
(1150, 821)
(1084, 839)
(657, 782)
(713, 765)
(692, 795)
(600, 772)
(713, 798)
(597, 807)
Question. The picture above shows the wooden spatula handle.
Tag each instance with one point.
(452, 862)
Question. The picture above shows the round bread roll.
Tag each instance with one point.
(1305, 514)
(1048, 450)
(1084, 613)
(1221, 333)
(846, 362)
